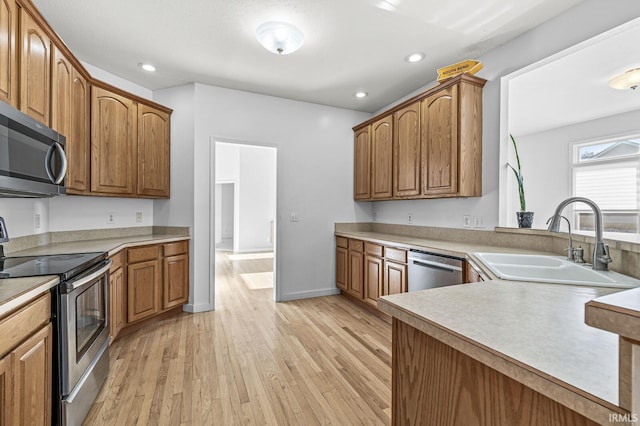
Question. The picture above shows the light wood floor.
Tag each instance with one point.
(252, 361)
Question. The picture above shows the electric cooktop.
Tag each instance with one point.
(63, 265)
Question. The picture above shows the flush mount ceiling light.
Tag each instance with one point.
(360, 94)
(279, 37)
(387, 5)
(147, 67)
(414, 57)
(627, 80)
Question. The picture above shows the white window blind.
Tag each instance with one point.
(612, 188)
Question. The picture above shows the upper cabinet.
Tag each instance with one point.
(433, 141)
(153, 152)
(35, 69)
(8, 52)
(362, 164)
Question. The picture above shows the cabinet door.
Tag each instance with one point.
(176, 281)
(373, 276)
(439, 141)
(362, 164)
(406, 154)
(113, 143)
(153, 152)
(6, 391)
(32, 362)
(395, 278)
(116, 300)
(471, 274)
(35, 70)
(8, 52)
(143, 290)
(342, 256)
(382, 158)
(356, 273)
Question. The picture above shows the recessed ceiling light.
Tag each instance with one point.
(414, 57)
(147, 67)
(386, 5)
(279, 37)
(360, 94)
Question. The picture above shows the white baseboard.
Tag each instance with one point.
(309, 294)
(194, 309)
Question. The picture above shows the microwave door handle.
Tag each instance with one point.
(47, 163)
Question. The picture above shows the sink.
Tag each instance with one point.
(551, 269)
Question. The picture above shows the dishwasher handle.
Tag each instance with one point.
(436, 265)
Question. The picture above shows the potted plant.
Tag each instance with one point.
(525, 218)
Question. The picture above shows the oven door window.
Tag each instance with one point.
(90, 316)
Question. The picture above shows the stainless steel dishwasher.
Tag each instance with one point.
(430, 270)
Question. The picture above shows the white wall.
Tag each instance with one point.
(546, 161)
(19, 215)
(119, 82)
(582, 22)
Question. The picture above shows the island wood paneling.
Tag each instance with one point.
(434, 384)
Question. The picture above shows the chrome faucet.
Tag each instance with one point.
(569, 249)
(601, 258)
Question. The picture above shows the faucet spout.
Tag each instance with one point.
(601, 258)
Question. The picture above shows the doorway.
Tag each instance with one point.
(245, 216)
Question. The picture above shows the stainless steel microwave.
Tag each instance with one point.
(33, 162)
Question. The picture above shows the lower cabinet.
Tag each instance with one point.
(395, 271)
(175, 266)
(117, 296)
(26, 362)
(373, 273)
(356, 269)
(342, 263)
(143, 282)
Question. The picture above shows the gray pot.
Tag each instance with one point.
(525, 219)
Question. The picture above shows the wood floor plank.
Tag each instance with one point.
(321, 361)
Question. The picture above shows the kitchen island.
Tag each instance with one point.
(502, 352)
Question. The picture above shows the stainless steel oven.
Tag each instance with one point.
(83, 341)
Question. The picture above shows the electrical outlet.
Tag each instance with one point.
(111, 218)
(478, 222)
(410, 218)
(466, 221)
(293, 217)
(138, 217)
(36, 221)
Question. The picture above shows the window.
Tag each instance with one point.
(607, 173)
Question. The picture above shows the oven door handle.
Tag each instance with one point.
(88, 277)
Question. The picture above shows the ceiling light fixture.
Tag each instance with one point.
(386, 5)
(628, 80)
(279, 37)
(360, 94)
(414, 57)
(147, 67)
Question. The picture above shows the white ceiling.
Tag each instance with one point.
(574, 87)
(350, 45)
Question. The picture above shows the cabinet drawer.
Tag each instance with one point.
(342, 242)
(116, 261)
(172, 249)
(142, 254)
(24, 322)
(373, 249)
(398, 255)
(356, 245)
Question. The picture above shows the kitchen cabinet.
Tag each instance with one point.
(35, 69)
(395, 271)
(373, 273)
(153, 152)
(362, 164)
(356, 268)
(429, 146)
(175, 282)
(144, 284)
(8, 53)
(117, 296)
(406, 151)
(113, 143)
(342, 262)
(472, 275)
(70, 117)
(381, 158)
(26, 363)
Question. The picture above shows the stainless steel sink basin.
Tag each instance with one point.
(551, 269)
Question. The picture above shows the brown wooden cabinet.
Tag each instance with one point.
(35, 69)
(144, 285)
(437, 145)
(8, 52)
(342, 263)
(395, 271)
(406, 151)
(117, 296)
(471, 274)
(356, 268)
(373, 273)
(175, 291)
(113, 143)
(362, 164)
(381, 158)
(26, 363)
(153, 152)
